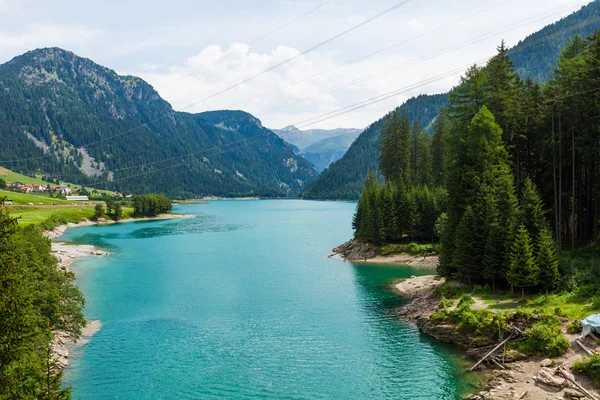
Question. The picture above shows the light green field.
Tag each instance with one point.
(36, 215)
(22, 198)
(11, 176)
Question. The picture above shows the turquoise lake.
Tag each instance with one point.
(242, 302)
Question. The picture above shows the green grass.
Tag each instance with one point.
(22, 198)
(37, 215)
(12, 176)
(574, 306)
(571, 305)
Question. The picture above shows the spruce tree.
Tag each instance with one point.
(531, 213)
(439, 148)
(547, 260)
(523, 270)
(464, 255)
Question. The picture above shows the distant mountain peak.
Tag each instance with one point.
(289, 128)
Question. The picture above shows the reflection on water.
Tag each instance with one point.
(201, 223)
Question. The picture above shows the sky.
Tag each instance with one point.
(273, 58)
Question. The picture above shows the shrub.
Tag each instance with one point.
(466, 301)
(544, 340)
(414, 249)
(574, 327)
(446, 303)
(589, 367)
(439, 317)
(53, 222)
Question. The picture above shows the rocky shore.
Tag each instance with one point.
(66, 254)
(532, 378)
(359, 251)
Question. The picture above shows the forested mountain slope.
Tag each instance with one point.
(344, 179)
(533, 57)
(78, 121)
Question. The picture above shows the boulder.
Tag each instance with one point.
(546, 363)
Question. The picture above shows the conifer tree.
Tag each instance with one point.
(439, 148)
(547, 260)
(465, 253)
(531, 213)
(523, 270)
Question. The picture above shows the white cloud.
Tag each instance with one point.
(236, 75)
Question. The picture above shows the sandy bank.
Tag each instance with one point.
(532, 378)
(363, 252)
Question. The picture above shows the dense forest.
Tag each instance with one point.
(53, 103)
(533, 58)
(520, 176)
(36, 300)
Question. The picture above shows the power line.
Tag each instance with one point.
(224, 56)
(427, 57)
(371, 101)
(362, 57)
(321, 44)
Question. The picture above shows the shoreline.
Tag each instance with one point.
(66, 254)
(356, 251)
(531, 378)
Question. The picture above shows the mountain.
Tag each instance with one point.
(344, 178)
(319, 146)
(534, 57)
(73, 119)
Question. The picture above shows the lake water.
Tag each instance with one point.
(241, 302)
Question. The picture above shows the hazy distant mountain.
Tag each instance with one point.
(320, 146)
(53, 103)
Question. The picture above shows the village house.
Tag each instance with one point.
(39, 188)
(27, 188)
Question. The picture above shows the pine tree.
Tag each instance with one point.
(532, 210)
(439, 148)
(394, 148)
(464, 255)
(547, 260)
(523, 270)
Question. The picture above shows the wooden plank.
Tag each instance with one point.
(588, 351)
(495, 349)
(568, 377)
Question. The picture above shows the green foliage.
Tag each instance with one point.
(118, 211)
(547, 260)
(53, 222)
(523, 270)
(589, 367)
(574, 327)
(439, 316)
(98, 212)
(151, 205)
(544, 340)
(344, 179)
(36, 299)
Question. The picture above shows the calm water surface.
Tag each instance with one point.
(241, 302)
